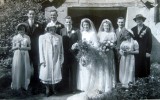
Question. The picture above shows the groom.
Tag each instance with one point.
(70, 35)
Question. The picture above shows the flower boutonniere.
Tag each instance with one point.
(58, 25)
(37, 25)
(73, 31)
(143, 33)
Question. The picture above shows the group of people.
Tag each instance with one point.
(47, 52)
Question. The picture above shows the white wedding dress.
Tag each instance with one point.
(87, 76)
(109, 68)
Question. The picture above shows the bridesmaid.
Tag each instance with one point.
(128, 48)
(21, 69)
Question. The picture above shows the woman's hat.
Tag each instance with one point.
(140, 16)
(21, 25)
(50, 25)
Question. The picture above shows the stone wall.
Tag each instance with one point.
(133, 7)
(1, 2)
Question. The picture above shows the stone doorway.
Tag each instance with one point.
(96, 14)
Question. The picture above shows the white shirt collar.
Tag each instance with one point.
(53, 22)
(119, 29)
(69, 28)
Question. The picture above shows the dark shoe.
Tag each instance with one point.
(54, 92)
(47, 92)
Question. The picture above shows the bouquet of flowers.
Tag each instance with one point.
(125, 48)
(86, 52)
(106, 46)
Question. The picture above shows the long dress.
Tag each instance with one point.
(127, 63)
(109, 68)
(86, 75)
(51, 53)
(21, 69)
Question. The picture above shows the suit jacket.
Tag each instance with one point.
(120, 38)
(60, 26)
(69, 39)
(34, 32)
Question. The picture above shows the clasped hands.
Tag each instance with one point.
(20, 48)
(127, 52)
(148, 55)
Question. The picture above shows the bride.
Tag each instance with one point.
(107, 36)
(86, 74)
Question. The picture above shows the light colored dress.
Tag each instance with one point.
(86, 74)
(109, 69)
(21, 68)
(127, 63)
(51, 52)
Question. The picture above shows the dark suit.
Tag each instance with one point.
(142, 63)
(69, 69)
(120, 38)
(34, 32)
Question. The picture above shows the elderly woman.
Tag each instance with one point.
(51, 58)
(143, 36)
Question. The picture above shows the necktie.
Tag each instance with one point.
(31, 23)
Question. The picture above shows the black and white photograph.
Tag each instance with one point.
(79, 49)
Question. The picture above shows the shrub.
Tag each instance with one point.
(12, 13)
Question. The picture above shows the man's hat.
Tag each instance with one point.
(140, 16)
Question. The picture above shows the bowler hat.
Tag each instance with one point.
(139, 16)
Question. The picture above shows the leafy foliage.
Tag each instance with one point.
(143, 88)
(12, 13)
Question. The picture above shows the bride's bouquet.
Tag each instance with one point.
(106, 46)
(83, 48)
(86, 52)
